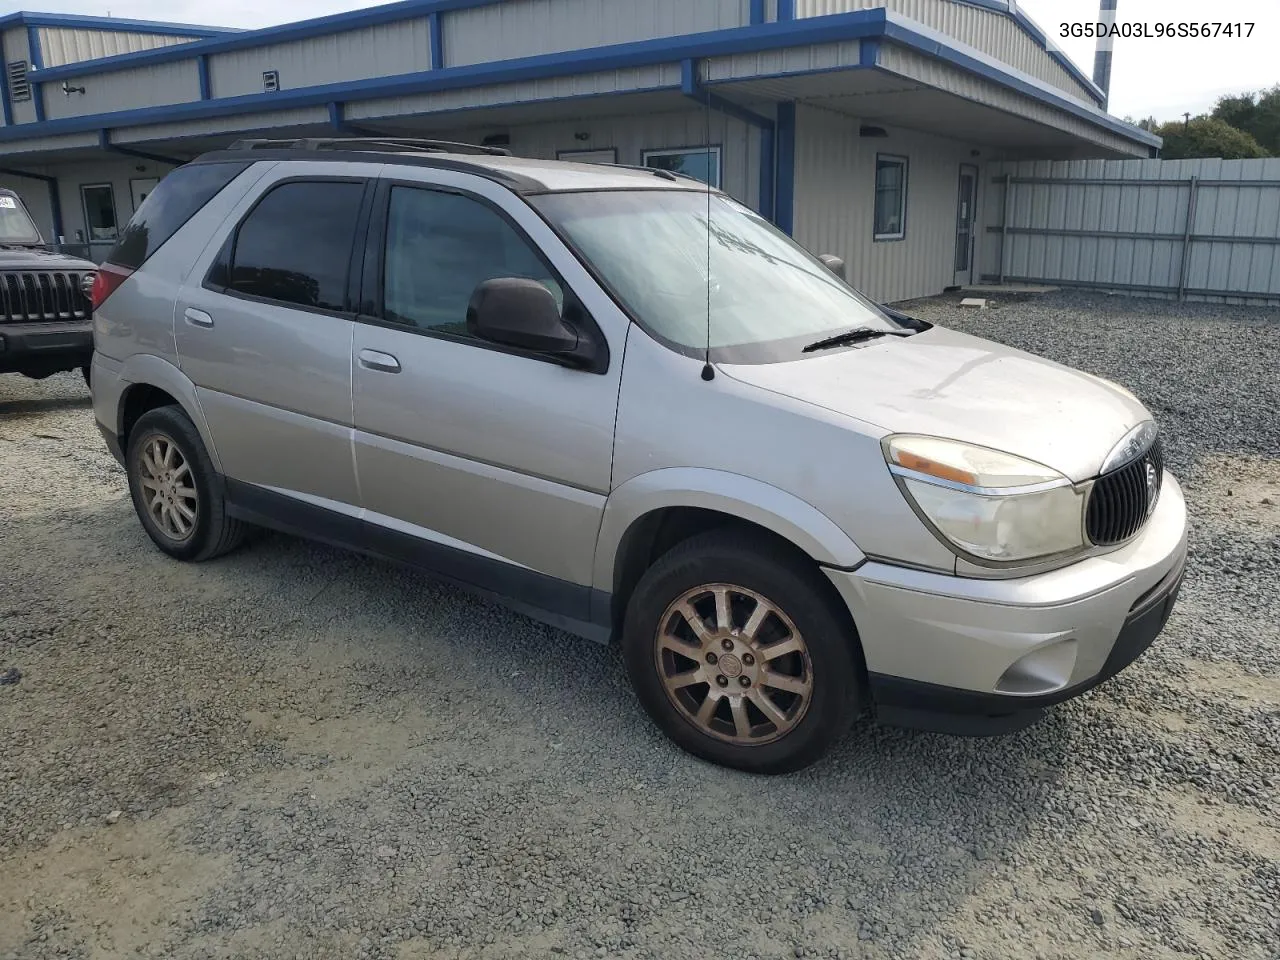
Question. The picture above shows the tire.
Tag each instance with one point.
(209, 532)
(739, 733)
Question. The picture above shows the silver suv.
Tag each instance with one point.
(630, 407)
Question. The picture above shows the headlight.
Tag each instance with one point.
(989, 505)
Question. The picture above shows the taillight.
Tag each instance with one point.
(108, 277)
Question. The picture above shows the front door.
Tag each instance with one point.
(966, 214)
(495, 464)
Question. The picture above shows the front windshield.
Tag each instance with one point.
(768, 296)
(15, 223)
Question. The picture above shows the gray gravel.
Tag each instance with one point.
(295, 752)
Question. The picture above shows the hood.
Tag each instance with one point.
(38, 258)
(947, 384)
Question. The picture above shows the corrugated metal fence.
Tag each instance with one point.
(1190, 229)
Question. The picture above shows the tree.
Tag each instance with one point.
(1207, 137)
(1257, 114)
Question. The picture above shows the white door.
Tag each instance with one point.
(141, 189)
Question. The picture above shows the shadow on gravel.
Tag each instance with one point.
(29, 409)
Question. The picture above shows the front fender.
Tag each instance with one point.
(752, 500)
(160, 373)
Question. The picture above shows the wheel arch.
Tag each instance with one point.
(151, 382)
(651, 513)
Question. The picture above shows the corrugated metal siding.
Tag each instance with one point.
(1127, 207)
(15, 48)
(61, 46)
(585, 85)
(822, 56)
(835, 204)
(993, 33)
(164, 83)
(631, 136)
(523, 28)
(917, 66)
(273, 122)
(384, 50)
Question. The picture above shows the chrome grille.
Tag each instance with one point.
(1122, 500)
(43, 295)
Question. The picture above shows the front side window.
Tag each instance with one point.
(701, 163)
(891, 197)
(440, 248)
(100, 212)
(768, 296)
(295, 247)
(16, 225)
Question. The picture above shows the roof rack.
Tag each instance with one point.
(408, 144)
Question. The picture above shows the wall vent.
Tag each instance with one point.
(19, 84)
(271, 80)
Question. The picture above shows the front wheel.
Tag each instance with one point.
(740, 656)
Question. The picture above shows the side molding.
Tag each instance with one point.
(752, 500)
(157, 372)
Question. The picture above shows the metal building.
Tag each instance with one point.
(861, 126)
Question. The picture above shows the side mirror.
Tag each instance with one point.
(833, 263)
(521, 313)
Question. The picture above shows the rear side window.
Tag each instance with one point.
(172, 203)
(295, 247)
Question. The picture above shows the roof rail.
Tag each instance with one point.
(409, 144)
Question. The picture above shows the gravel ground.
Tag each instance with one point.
(295, 752)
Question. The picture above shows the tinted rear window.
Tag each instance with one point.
(175, 201)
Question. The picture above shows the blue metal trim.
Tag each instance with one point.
(786, 10)
(868, 53)
(202, 72)
(873, 23)
(437, 40)
(73, 21)
(934, 44)
(757, 11)
(6, 106)
(336, 118)
(55, 201)
(301, 30)
(785, 215)
(37, 63)
(693, 88)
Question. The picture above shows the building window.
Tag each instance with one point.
(701, 163)
(589, 156)
(891, 197)
(100, 212)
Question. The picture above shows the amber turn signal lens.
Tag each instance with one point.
(942, 471)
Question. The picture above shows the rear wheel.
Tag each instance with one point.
(739, 656)
(176, 491)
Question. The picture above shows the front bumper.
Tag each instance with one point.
(988, 656)
(42, 348)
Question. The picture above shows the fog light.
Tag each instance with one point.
(1045, 670)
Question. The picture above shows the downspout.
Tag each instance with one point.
(104, 141)
(692, 88)
(37, 64)
(55, 201)
(786, 201)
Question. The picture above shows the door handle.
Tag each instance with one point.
(377, 360)
(197, 318)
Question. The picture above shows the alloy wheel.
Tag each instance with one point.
(734, 664)
(168, 490)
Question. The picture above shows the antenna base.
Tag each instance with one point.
(708, 372)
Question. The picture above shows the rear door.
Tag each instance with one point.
(495, 462)
(264, 327)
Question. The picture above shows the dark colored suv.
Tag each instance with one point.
(46, 321)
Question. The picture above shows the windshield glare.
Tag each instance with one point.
(768, 295)
(15, 224)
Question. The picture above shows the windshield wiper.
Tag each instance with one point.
(856, 335)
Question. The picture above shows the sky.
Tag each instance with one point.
(1150, 77)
